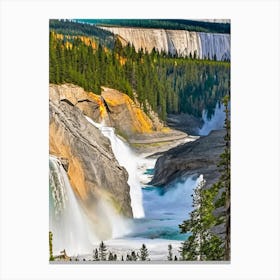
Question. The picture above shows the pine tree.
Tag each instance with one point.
(96, 256)
(202, 244)
(144, 254)
(102, 251)
(111, 257)
(225, 174)
(170, 254)
(51, 246)
(133, 256)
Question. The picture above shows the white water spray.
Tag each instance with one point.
(129, 161)
(215, 123)
(67, 221)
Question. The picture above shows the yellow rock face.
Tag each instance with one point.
(125, 114)
(59, 147)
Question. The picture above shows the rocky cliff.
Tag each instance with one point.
(126, 115)
(93, 171)
(117, 110)
(182, 42)
(113, 107)
(198, 157)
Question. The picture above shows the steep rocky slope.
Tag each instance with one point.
(198, 157)
(94, 173)
(118, 110)
(126, 115)
(181, 42)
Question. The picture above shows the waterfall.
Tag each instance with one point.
(215, 45)
(67, 221)
(181, 41)
(128, 159)
(215, 122)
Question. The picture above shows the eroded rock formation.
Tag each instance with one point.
(93, 171)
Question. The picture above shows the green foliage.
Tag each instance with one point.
(102, 251)
(128, 257)
(202, 245)
(170, 254)
(134, 256)
(144, 254)
(169, 85)
(68, 27)
(111, 256)
(224, 166)
(179, 24)
(51, 246)
(96, 255)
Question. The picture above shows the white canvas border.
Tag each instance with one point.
(255, 137)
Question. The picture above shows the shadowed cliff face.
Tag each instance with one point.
(93, 171)
(198, 157)
(182, 42)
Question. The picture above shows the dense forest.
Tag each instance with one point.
(177, 24)
(168, 83)
(68, 27)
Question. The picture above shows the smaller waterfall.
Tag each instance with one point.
(128, 160)
(67, 220)
(216, 122)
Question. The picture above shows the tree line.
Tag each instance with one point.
(103, 254)
(168, 83)
(175, 24)
(204, 244)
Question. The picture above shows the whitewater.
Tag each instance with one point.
(157, 211)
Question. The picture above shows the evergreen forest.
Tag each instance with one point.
(170, 84)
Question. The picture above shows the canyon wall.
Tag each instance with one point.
(94, 173)
(182, 42)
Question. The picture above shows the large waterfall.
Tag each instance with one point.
(215, 122)
(68, 223)
(129, 161)
(214, 45)
(72, 228)
(182, 42)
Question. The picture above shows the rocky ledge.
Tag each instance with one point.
(192, 158)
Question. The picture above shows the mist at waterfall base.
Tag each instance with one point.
(157, 211)
(130, 162)
(68, 224)
(72, 228)
(215, 122)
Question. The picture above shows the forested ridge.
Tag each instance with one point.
(170, 84)
(175, 24)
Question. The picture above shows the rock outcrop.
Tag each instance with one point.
(113, 107)
(182, 42)
(88, 102)
(126, 115)
(197, 157)
(93, 171)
